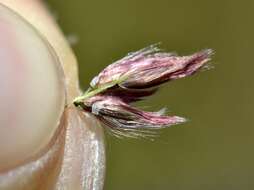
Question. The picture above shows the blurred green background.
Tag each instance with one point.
(214, 150)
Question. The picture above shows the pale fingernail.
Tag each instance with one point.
(32, 94)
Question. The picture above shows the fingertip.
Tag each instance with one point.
(32, 94)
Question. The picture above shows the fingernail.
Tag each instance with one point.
(32, 94)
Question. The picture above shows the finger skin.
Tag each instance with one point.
(75, 156)
(83, 155)
(35, 13)
(31, 105)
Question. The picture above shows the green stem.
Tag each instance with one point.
(92, 92)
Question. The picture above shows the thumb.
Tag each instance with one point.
(43, 144)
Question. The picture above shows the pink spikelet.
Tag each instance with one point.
(131, 79)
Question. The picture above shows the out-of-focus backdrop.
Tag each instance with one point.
(214, 150)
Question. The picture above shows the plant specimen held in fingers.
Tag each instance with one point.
(131, 79)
